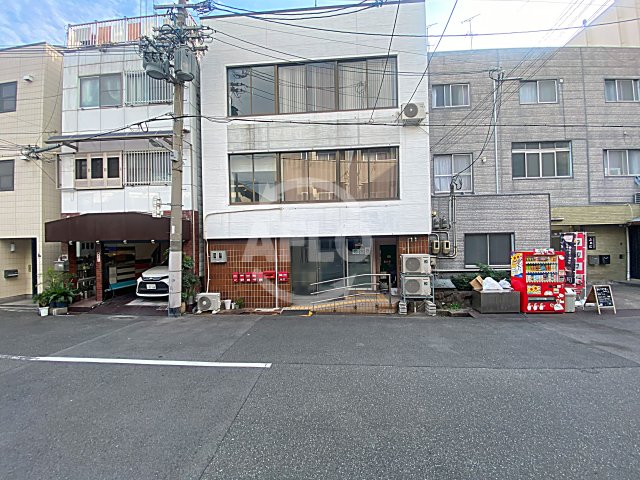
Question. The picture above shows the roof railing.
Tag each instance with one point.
(119, 31)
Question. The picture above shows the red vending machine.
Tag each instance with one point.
(539, 277)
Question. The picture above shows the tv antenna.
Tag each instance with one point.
(469, 20)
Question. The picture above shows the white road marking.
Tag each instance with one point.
(134, 361)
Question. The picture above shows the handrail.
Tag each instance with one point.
(347, 286)
(339, 298)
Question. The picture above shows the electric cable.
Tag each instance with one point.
(386, 62)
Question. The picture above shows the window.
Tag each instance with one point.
(313, 87)
(8, 95)
(455, 95)
(98, 170)
(488, 248)
(446, 166)
(621, 90)
(101, 91)
(538, 91)
(148, 167)
(141, 89)
(541, 159)
(6, 175)
(317, 176)
(621, 162)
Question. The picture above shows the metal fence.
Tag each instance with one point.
(141, 89)
(147, 167)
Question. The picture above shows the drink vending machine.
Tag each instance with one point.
(539, 277)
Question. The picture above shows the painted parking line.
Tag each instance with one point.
(134, 361)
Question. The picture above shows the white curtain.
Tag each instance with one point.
(528, 92)
(381, 80)
(442, 172)
(352, 81)
(292, 89)
(321, 88)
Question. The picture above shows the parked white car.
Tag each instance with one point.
(153, 282)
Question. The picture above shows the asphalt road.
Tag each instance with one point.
(498, 397)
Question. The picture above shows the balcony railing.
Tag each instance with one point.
(122, 30)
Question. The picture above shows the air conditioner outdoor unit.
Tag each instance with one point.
(208, 301)
(413, 113)
(636, 198)
(414, 287)
(416, 264)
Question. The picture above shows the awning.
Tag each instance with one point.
(112, 227)
(634, 221)
(96, 137)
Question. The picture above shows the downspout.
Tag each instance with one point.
(276, 245)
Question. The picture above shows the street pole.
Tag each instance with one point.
(175, 237)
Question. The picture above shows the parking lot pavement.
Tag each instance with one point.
(547, 396)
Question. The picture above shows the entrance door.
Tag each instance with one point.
(634, 251)
(389, 262)
(358, 262)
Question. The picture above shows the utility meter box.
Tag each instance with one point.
(217, 256)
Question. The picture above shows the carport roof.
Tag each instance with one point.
(112, 227)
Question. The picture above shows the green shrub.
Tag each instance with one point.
(462, 280)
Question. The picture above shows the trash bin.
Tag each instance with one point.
(570, 301)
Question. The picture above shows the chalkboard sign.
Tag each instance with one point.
(602, 296)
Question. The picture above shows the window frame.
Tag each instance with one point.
(12, 176)
(392, 63)
(540, 151)
(310, 156)
(537, 82)
(89, 182)
(100, 91)
(453, 172)
(607, 169)
(449, 86)
(488, 237)
(636, 90)
(3, 98)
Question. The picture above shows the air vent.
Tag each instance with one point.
(636, 198)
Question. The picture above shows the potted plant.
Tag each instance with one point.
(42, 299)
(58, 291)
(190, 283)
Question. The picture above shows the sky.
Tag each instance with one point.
(50, 17)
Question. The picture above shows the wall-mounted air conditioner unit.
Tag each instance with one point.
(208, 301)
(636, 198)
(416, 287)
(416, 264)
(413, 113)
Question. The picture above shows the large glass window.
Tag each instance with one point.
(622, 90)
(488, 248)
(453, 95)
(446, 166)
(101, 91)
(541, 159)
(538, 91)
(8, 96)
(6, 175)
(253, 178)
(313, 87)
(316, 176)
(621, 162)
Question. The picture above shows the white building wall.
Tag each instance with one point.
(408, 215)
(77, 120)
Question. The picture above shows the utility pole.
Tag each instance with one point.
(176, 43)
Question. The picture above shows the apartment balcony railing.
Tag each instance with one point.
(119, 31)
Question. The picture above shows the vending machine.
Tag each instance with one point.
(539, 277)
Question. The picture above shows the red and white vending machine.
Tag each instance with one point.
(539, 277)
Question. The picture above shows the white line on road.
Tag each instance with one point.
(133, 361)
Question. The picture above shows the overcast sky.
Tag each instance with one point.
(30, 21)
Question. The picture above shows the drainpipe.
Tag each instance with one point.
(276, 245)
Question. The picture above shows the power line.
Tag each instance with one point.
(386, 62)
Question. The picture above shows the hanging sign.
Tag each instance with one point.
(602, 296)
(573, 245)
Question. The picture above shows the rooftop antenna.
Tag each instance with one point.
(469, 20)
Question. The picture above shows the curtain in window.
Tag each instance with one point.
(89, 92)
(625, 91)
(292, 89)
(295, 176)
(321, 88)
(437, 93)
(563, 164)
(634, 162)
(354, 176)
(110, 90)
(528, 92)
(459, 95)
(442, 172)
(383, 172)
(381, 80)
(322, 175)
(460, 163)
(352, 84)
(548, 91)
(616, 162)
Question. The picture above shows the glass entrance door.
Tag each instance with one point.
(358, 261)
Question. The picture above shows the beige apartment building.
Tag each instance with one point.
(30, 111)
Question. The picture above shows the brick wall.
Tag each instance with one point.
(246, 256)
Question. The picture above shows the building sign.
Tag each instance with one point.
(591, 242)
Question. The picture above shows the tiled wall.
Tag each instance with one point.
(253, 255)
